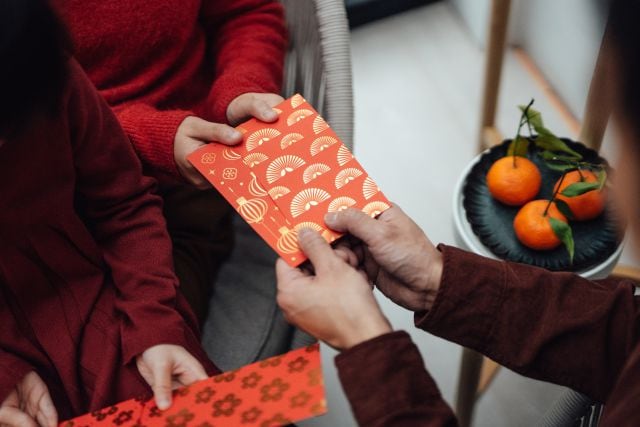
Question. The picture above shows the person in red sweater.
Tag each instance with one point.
(555, 327)
(89, 302)
(179, 74)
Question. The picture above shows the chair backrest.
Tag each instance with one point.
(572, 409)
(318, 63)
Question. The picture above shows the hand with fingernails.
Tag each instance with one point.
(395, 254)
(336, 302)
(29, 404)
(166, 367)
(195, 132)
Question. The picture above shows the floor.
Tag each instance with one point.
(417, 79)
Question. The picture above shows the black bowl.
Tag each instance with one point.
(492, 221)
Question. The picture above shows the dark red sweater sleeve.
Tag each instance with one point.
(248, 39)
(152, 133)
(387, 385)
(126, 221)
(556, 327)
(12, 370)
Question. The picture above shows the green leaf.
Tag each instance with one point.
(550, 155)
(564, 208)
(578, 188)
(520, 146)
(602, 178)
(560, 167)
(550, 142)
(533, 116)
(563, 231)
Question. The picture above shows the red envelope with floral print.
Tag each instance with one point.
(287, 175)
(275, 392)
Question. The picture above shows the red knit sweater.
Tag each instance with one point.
(157, 62)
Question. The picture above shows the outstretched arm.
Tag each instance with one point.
(381, 371)
(556, 327)
(247, 39)
(125, 218)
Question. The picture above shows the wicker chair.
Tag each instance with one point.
(244, 323)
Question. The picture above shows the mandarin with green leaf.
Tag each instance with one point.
(514, 180)
(582, 191)
(533, 227)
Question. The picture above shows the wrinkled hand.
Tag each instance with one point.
(396, 255)
(166, 367)
(192, 134)
(258, 105)
(29, 405)
(336, 304)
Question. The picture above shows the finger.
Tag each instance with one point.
(47, 414)
(196, 179)
(317, 249)
(347, 255)
(192, 370)
(15, 418)
(213, 132)
(285, 274)
(161, 386)
(355, 222)
(262, 111)
(271, 99)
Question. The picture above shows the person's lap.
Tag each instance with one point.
(199, 223)
(226, 273)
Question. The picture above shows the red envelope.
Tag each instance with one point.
(275, 392)
(287, 175)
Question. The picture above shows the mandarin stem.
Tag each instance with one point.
(555, 193)
(524, 118)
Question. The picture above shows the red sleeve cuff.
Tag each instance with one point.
(385, 378)
(152, 133)
(228, 87)
(471, 291)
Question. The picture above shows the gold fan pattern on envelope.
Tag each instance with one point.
(287, 175)
(259, 137)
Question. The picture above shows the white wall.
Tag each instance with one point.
(561, 36)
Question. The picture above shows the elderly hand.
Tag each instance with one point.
(336, 304)
(396, 255)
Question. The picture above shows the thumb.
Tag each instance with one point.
(286, 274)
(317, 249)
(161, 386)
(354, 222)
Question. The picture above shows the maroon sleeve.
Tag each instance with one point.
(556, 327)
(126, 221)
(248, 39)
(12, 370)
(388, 386)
